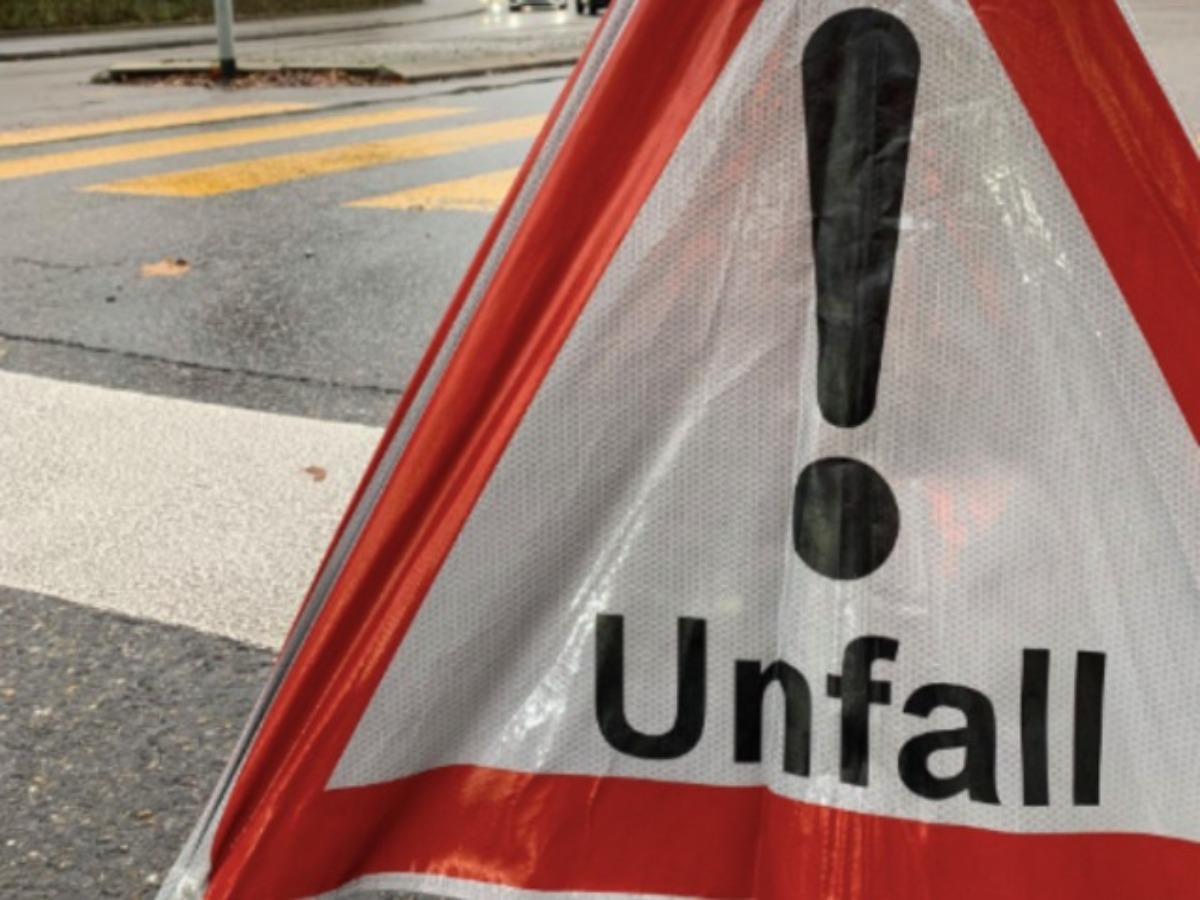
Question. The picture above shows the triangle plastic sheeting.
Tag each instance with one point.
(585, 629)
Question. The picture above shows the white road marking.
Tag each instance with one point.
(171, 510)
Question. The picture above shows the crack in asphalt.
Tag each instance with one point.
(60, 267)
(201, 367)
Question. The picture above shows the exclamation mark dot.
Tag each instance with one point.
(860, 86)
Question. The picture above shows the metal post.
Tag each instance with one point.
(224, 14)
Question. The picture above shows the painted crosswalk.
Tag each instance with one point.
(479, 193)
(241, 504)
(45, 164)
(84, 481)
(257, 173)
(429, 131)
(150, 121)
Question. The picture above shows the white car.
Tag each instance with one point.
(515, 5)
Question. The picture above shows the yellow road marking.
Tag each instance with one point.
(482, 193)
(257, 173)
(209, 140)
(173, 119)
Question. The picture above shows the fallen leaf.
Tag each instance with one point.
(165, 268)
(317, 473)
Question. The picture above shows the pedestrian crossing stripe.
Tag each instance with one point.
(177, 118)
(45, 164)
(479, 193)
(265, 171)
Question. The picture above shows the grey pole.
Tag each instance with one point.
(224, 14)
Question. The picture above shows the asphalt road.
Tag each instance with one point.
(191, 386)
(286, 289)
(215, 412)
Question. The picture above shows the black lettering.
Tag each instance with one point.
(752, 683)
(1089, 727)
(978, 739)
(857, 692)
(1035, 753)
(690, 691)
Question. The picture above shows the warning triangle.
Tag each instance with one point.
(800, 498)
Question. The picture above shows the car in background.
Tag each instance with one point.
(517, 5)
(590, 7)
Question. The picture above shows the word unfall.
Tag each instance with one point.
(858, 689)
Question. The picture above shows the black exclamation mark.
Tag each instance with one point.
(860, 86)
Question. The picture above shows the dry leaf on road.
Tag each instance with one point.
(165, 268)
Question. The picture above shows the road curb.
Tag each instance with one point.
(132, 73)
